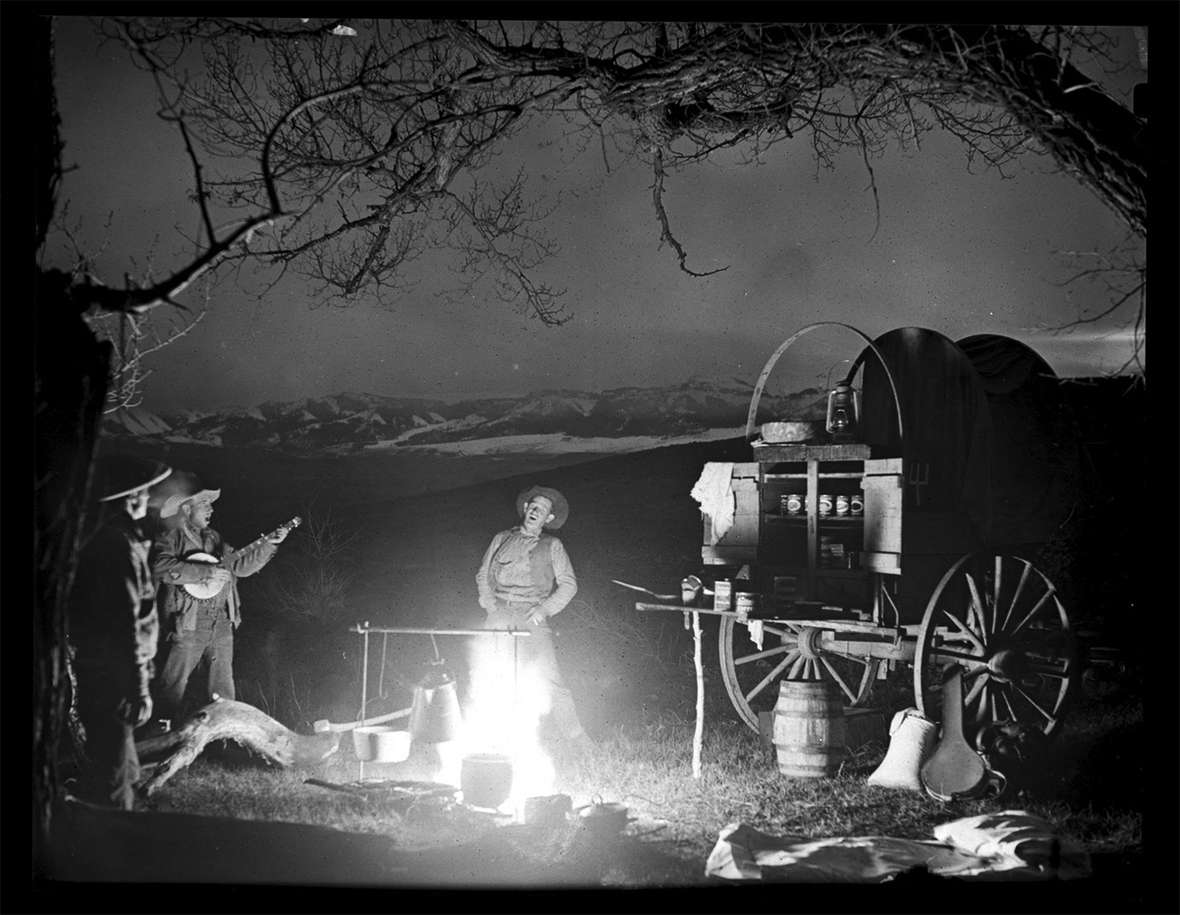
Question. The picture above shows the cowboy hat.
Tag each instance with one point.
(561, 508)
(120, 475)
(172, 504)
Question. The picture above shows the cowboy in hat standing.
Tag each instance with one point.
(524, 579)
(112, 630)
(200, 629)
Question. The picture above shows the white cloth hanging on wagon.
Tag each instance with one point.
(714, 491)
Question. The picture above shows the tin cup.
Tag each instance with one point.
(722, 594)
(841, 505)
(856, 504)
(825, 504)
(794, 503)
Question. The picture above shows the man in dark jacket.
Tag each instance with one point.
(196, 628)
(112, 630)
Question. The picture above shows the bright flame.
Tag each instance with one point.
(507, 702)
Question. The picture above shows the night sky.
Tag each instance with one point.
(956, 251)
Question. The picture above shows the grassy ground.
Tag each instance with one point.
(413, 562)
(646, 764)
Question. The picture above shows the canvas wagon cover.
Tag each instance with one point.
(986, 432)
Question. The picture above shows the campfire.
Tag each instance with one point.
(498, 760)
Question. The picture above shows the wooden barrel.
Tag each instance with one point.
(809, 731)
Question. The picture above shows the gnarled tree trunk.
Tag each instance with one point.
(227, 719)
(71, 375)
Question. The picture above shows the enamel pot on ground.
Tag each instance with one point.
(486, 779)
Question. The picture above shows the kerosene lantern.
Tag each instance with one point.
(843, 412)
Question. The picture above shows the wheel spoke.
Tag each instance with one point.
(1031, 701)
(1033, 612)
(770, 676)
(976, 687)
(966, 633)
(781, 633)
(839, 680)
(1008, 702)
(981, 707)
(758, 656)
(1016, 597)
(976, 607)
(796, 666)
(997, 587)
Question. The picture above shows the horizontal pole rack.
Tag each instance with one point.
(365, 628)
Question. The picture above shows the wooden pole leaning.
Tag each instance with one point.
(700, 721)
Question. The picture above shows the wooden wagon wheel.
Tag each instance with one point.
(790, 651)
(1000, 619)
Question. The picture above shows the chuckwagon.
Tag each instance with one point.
(903, 530)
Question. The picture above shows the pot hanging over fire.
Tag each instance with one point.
(434, 713)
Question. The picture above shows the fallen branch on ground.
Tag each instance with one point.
(226, 719)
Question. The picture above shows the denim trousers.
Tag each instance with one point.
(211, 642)
(537, 654)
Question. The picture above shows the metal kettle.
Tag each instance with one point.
(434, 712)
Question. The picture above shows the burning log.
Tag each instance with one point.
(226, 719)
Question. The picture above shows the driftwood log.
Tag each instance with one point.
(227, 719)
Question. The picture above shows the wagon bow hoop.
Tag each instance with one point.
(770, 363)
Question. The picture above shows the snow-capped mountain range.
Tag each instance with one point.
(544, 420)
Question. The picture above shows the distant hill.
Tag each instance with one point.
(622, 419)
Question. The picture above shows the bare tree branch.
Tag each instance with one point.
(657, 194)
(355, 140)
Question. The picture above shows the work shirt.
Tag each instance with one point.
(172, 571)
(520, 568)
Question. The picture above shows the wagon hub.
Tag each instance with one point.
(1008, 665)
(809, 643)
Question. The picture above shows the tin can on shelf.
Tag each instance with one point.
(856, 504)
(793, 502)
(841, 505)
(825, 504)
(744, 603)
(722, 594)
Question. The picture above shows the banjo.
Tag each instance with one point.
(206, 589)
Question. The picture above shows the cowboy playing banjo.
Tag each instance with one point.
(197, 572)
